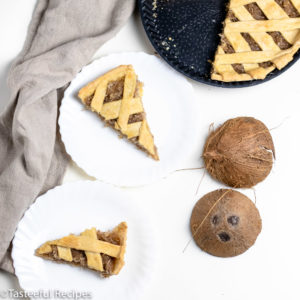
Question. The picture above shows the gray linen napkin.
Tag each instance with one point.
(62, 38)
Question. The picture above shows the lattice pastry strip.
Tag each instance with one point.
(296, 4)
(263, 39)
(89, 249)
(262, 26)
(94, 260)
(117, 97)
(271, 28)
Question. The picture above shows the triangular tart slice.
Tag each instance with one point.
(92, 249)
(117, 98)
(258, 37)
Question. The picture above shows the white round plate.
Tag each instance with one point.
(171, 111)
(72, 208)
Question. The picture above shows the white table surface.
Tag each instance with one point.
(270, 269)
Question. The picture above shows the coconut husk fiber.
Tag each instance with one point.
(225, 223)
(240, 152)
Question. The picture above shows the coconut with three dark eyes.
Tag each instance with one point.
(225, 223)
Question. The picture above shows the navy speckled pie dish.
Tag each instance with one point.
(186, 35)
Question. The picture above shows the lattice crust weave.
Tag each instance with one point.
(92, 247)
(117, 98)
(258, 37)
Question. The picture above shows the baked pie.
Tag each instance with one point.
(117, 98)
(258, 36)
(96, 250)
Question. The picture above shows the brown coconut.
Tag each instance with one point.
(225, 223)
(240, 152)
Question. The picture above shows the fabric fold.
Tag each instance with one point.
(62, 37)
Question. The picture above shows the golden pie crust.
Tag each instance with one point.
(117, 98)
(91, 250)
(258, 37)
